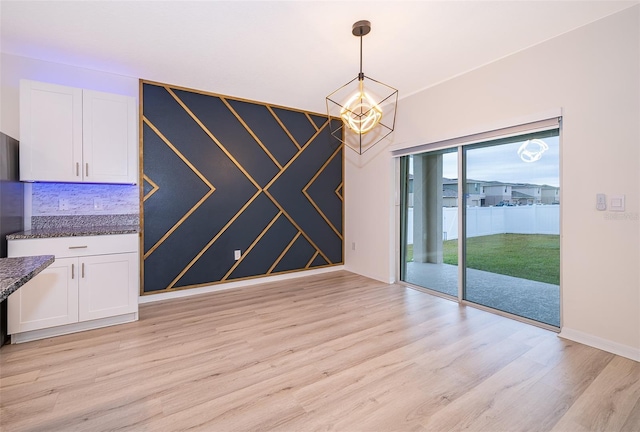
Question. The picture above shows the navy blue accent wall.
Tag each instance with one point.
(220, 175)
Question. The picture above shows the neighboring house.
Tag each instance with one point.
(550, 195)
(526, 194)
(497, 193)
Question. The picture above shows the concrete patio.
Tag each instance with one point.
(530, 299)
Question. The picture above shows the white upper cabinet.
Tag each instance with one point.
(50, 132)
(74, 135)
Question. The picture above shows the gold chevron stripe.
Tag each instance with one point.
(208, 132)
(273, 180)
(153, 190)
(284, 252)
(213, 240)
(283, 126)
(293, 222)
(233, 111)
(338, 191)
(311, 260)
(313, 203)
(255, 242)
(194, 169)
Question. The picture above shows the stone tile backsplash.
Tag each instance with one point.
(70, 199)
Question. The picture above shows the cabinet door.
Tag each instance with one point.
(49, 299)
(110, 147)
(50, 132)
(108, 285)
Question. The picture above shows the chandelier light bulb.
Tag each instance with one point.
(355, 109)
(360, 113)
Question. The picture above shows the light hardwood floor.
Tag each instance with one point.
(330, 352)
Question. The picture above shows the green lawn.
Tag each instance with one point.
(528, 256)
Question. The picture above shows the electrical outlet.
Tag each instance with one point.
(63, 204)
(237, 254)
(353, 245)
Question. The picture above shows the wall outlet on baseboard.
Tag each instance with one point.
(353, 245)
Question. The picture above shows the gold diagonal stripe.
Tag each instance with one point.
(267, 193)
(255, 242)
(293, 222)
(311, 121)
(203, 178)
(311, 260)
(337, 191)
(213, 240)
(284, 252)
(154, 187)
(246, 126)
(293, 159)
(208, 132)
(283, 126)
(313, 203)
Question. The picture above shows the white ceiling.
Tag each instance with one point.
(290, 53)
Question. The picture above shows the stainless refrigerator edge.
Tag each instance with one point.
(11, 207)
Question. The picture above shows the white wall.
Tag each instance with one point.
(593, 74)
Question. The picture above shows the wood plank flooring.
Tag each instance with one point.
(329, 352)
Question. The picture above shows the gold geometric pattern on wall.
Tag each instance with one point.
(277, 196)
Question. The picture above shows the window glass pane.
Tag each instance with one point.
(429, 211)
(512, 223)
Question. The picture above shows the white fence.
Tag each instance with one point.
(535, 219)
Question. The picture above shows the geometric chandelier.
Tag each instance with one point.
(366, 107)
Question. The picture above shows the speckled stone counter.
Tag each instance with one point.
(74, 231)
(15, 272)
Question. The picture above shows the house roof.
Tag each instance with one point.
(290, 53)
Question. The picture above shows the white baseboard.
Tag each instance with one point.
(600, 343)
(239, 284)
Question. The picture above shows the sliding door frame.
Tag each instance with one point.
(550, 122)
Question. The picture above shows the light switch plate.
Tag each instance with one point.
(616, 203)
(601, 202)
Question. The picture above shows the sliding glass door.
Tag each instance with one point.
(509, 203)
(512, 220)
(430, 212)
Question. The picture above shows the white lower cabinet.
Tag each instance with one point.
(92, 283)
(107, 286)
(48, 300)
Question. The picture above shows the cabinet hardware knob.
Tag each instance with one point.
(72, 271)
(77, 169)
(77, 247)
(83, 270)
(86, 168)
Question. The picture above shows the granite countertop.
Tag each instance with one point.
(15, 272)
(74, 231)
